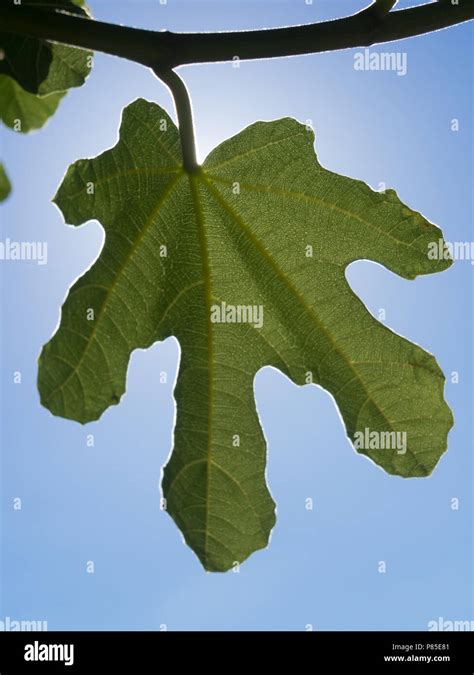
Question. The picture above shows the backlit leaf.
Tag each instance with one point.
(23, 111)
(244, 263)
(41, 67)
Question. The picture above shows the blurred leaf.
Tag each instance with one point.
(41, 67)
(5, 187)
(22, 111)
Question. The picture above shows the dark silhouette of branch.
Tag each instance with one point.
(165, 50)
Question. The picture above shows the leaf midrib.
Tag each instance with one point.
(206, 275)
(310, 198)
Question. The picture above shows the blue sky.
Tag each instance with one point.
(101, 503)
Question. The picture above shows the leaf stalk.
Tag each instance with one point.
(184, 113)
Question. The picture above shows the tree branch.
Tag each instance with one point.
(382, 7)
(166, 50)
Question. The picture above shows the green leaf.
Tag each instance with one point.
(36, 74)
(41, 67)
(239, 232)
(22, 111)
(5, 187)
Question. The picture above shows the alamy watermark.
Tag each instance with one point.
(449, 250)
(450, 625)
(24, 250)
(381, 440)
(226, 313)
(9, 625)
(374, 60)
